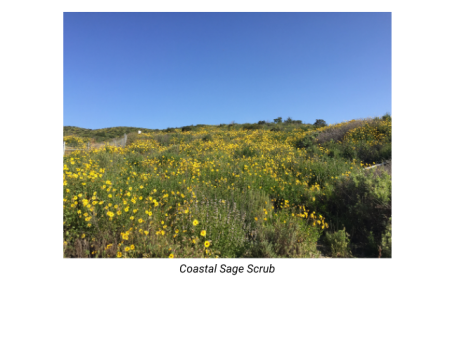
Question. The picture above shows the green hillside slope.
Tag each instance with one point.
(100, 135)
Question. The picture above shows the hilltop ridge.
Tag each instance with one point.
(101, 134)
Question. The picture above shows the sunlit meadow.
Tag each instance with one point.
(261, 190)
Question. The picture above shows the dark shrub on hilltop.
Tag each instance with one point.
(320, 123)
(291, 121)
(386, 117)
(249, 126)
(187, 128)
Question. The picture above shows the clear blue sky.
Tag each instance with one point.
(159, 70)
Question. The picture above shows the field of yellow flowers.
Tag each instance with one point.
(75, 142)
(213, 191)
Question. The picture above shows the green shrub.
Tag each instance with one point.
(334, 153)
(386, 242)
(135, 159)
(248, 126)
(367, 153)
(349, 151)
(187, 128)
(371, 248)
(285, 240)
(291, 121)
(387, 117)
(381, 249)
(362, 204)
(307, 141)
(207, 138)
(320, 123)
(275, 129)
(386, 152)
(338, 244)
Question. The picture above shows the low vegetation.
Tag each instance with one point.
(101, 135)
(269, 189)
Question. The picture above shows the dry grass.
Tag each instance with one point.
(338, 133)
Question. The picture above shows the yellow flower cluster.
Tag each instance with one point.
(75, 141)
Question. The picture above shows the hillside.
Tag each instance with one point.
(252, 190)
(100, 135)
(105, 134)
